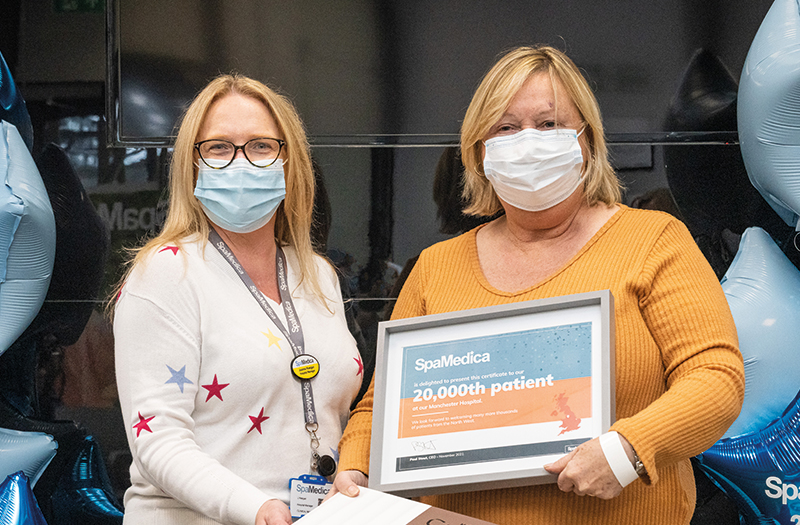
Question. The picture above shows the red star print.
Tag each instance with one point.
(360, 366)
(214, 389)
(257, 420)
(173, 249)
(143, 424)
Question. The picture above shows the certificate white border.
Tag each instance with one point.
(393, 336)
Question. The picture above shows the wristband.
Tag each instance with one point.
(617, 458)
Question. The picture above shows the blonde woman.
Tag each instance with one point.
(533, 147)
(227, 324)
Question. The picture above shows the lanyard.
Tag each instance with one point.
(294, 335)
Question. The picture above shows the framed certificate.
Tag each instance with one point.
(484, 398)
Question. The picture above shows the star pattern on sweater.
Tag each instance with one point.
(143, 424)
(215, 389)
(257, 420)
(273, 339)
(360, 366)
(178, 377)
(173, 249)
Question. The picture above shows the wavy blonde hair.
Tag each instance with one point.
(490, 102)
(185, 216)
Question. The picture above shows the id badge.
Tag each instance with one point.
(306, 493)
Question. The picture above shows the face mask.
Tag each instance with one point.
(534, 170)
(240, 198)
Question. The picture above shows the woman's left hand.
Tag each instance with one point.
(274, 512)
(586, 472)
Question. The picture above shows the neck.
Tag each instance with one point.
(259, 243)
(551, 224)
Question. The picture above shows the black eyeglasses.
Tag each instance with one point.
(261, 152)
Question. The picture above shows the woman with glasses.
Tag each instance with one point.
(533, 149)
(234, 363)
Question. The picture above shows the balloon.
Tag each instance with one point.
(17, 504)
(709, 183)
(29, 452)
(84, 494)
(769, 122)
(81, 250)
(82, 245)
(12, 106)
(27, 237)
(67, 434)
(761, 470)
(763, 291)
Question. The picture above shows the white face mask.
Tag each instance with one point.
(534, 170)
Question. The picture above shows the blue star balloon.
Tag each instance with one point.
(29, 452)
(768, 116)
(27, 237)
(17, 503)
(760, 471)
(763, 291)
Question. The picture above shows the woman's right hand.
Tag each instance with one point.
(347, 482)
(274, 512)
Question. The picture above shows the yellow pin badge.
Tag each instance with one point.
(305, 366)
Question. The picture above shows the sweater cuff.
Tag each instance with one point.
(244, 504)
(645, 453)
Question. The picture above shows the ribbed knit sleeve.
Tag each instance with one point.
(688, 318)
(354, 446)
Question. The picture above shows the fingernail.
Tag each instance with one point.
(352, 491)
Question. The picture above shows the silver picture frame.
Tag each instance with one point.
(484, 398)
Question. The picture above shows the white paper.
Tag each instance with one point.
(368, 508)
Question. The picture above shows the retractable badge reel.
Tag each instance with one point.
(306, 367)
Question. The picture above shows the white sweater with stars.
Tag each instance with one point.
(213, 413)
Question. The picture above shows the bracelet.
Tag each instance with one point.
(617, 458)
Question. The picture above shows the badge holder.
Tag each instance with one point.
(306, 494)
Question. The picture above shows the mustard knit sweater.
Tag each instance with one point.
(679, 373)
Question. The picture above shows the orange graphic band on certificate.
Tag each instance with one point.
(566, 401)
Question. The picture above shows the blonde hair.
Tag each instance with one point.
(186, 218)
(490, 102)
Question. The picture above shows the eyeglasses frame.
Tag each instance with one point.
(281, 144)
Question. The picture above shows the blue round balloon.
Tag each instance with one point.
(17, 504)
(768, 119)
(763, 291)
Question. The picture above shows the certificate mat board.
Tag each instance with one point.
(484, 398)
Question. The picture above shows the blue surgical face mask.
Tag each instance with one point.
(240, 198)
